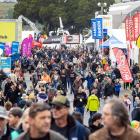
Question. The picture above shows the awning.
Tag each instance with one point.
(113, 42)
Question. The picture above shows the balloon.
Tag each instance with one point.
(135, 124)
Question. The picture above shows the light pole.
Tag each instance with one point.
(102, 5)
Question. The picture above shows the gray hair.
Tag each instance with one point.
(119, 110)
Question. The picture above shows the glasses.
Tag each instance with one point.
(57, 107)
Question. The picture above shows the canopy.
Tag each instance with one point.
(113, 42)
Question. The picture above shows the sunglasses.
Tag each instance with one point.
(57, 107)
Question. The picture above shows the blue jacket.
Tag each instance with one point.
(90, 80)
(76, 130)
(117, 87)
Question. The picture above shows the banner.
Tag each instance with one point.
(8, 49)
(136, 20)
(24, 46)
(99, 28)
(29, 48)
(15, 47)
(123, 65)
(5, 64)
(129, 27)
(2, 45)
(93, 23)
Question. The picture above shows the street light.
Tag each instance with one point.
(102, 5)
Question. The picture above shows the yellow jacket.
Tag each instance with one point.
(93, 103)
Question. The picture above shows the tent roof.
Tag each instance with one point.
(113, 42)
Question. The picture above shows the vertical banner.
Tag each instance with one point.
(127, 28)
(24, 46)
(15, 47)
(93, 23)
(136, 20)
(99, 28)
(27, 46)
(5, 64)
(2, 46)
(123, 65)
(8, 49)
(30, 41)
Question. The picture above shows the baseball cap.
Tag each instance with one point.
(3, 113)
(61, 100)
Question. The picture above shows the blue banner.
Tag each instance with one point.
(93, 23)
(99, 28)
(5, 64)
(2, 46)
(15, 46)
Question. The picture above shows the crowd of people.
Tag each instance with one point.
(39, 109)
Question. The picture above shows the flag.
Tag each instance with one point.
(122, 64)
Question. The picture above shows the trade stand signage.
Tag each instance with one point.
(93, 22)
(136, 20)
(15, 47)
(5, 64)
(2, 46)
(97, 28)
(132, 27)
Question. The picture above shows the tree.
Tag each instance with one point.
(76, 14)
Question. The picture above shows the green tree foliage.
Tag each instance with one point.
(76, 14)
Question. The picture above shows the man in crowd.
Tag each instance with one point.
(15, 115)
(4, 130)
(64, 123)
(40, 122)
(93, 103)
(116, 121)
(136, 112)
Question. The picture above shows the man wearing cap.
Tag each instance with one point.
(4, 130)
(64, 123)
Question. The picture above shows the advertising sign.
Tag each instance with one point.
(30, 40)
(5, 64)
(2, 46)
(93, 24)
(123, 65)
(8, 49)
(72, 39)
(27, 46)
(127, 28)
(7, 31)
(15, 47)
(99, 28)
(24, 46)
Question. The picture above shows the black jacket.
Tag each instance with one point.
(76, 130)
(136, 114)
(109, 90)
(7, 135)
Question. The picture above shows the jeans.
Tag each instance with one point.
(81, 110)
(92, 113)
